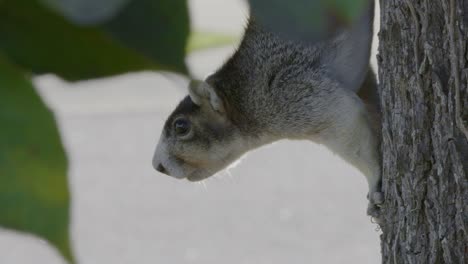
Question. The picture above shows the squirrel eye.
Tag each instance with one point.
(182, 127)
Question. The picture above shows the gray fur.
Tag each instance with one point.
(272, 89)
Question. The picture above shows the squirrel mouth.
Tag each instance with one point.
(195, 177)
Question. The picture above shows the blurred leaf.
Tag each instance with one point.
(44, 42)
(307, 20)
(295, 19)
(86, 12)
(34, 194)
(347, 10)
(204, 40)
(158, 29)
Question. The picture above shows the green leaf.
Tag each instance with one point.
(295, 19)
(34, 194)
(307, 20)
(86, 12)
(200, 40)
(157, 29)
(42, 41)
(348, 10)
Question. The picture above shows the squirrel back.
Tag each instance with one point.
(264, 63)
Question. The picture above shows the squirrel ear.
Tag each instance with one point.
(201, 92)
(194, 92)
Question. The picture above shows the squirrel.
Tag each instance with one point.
(273, 88)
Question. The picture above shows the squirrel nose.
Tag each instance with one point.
(161, 168)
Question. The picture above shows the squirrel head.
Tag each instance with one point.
(198, 138)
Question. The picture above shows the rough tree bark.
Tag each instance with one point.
(423, 71)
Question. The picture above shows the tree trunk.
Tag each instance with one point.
(423, 72)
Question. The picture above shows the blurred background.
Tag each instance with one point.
(290, 202)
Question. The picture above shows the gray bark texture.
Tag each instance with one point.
(423, 72)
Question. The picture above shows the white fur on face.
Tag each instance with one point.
(213, 160)
(162, 156)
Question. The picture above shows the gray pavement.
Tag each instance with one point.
(290, 202)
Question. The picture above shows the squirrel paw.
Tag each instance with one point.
(374, 211)
(376, 199)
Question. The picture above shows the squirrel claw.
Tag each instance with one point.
(376, 200)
